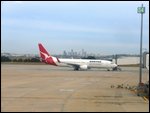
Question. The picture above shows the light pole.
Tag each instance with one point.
(141, 10)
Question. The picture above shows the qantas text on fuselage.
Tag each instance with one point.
(77, 64)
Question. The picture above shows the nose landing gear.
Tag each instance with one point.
(116, 69)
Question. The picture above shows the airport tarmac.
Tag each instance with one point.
(45, 88)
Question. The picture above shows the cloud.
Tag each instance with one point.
(45, 25)
(48, 25)
(18, 2)
(93, 25)
(12, 2)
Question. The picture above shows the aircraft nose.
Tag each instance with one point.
(115, 65)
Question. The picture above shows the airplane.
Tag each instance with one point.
(77, 64)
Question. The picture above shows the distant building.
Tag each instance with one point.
(126, 60)
(65, 53)
(146, 60)
(130, 60)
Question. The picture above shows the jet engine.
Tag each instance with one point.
(84, 67)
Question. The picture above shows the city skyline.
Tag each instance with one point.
(97, 27)
(71, 53)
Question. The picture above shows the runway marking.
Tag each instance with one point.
(67, 90)
(86, 83)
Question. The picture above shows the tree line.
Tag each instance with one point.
(7, 59)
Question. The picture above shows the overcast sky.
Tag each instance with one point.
(97, 27)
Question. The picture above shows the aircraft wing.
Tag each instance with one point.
(74, 65)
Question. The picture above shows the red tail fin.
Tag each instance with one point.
(46, 56)
(42, 49)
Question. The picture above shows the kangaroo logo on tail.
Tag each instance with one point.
(46, 56)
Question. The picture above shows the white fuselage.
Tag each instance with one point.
(87, 62)
(76, 63)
